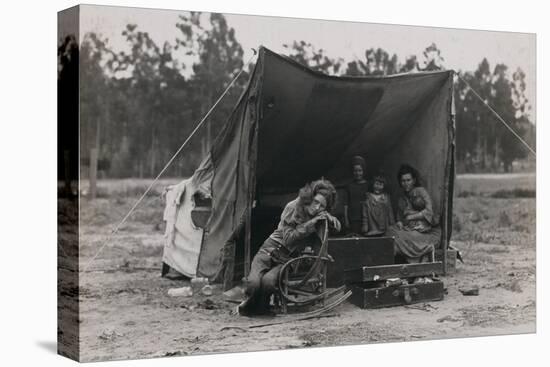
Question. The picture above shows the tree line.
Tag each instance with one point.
(138, 106)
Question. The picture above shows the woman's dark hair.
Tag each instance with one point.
(323, 187)
(406, 168)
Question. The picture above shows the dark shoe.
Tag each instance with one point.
(244, 308)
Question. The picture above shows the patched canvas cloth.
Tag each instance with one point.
(183, 238)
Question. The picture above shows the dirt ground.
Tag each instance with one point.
(125, 311)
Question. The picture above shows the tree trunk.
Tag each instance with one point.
(497, 153)
(208, 136)
(106, 142)
(484, 153)
(208, 127)
(94, 153)
(479, 149)
(153, 152)
(203, 147)
(93, 173)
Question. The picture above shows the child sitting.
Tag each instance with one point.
(421, 225)
(377, 209)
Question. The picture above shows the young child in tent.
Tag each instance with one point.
(421, 225)
(377, 209)
(355, 195)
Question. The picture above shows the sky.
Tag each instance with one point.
(461, 49)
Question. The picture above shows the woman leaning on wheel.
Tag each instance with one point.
(300, 225)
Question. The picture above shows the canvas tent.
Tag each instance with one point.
(293, 125)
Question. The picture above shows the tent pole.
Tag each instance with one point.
(253, 151)
(445, 243)
(449, 174)
(247, 242)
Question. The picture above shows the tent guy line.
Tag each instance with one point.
(498, 116)
(115, 230)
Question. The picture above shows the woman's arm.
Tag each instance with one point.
(292, 230)
(391, 218)
(401, 206)
(346, 200)
(334, 223)
(346, 217)
(364, 218)
(426, 213)
(415, 216)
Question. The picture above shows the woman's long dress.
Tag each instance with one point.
(355, 196)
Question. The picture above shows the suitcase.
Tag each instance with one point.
(369, 290)
(384, 272)
(369, 295)
(356, 252)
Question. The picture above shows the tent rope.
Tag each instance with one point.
(497, 115)
(119, 225)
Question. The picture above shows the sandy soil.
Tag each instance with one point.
(125, 311)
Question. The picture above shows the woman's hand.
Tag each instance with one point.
(408, 212)
(399, 225)
(325, 216)
(333, 221)
(415, 216)
(319, 216)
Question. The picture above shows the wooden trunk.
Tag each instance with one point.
(353, 253)
(383, 272)
(369, 295)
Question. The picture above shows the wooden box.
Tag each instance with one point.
(356, 252)
(370, 295)
(451, 259)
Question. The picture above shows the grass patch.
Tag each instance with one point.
(474, 185)
(514, 194)
(132, 187)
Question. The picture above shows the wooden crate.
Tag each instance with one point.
(368, 295)
(451, 259)
(352, 253)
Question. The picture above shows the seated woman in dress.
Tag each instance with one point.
(301, 225)
(416, 231)
(377, 210)
(355, 195)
